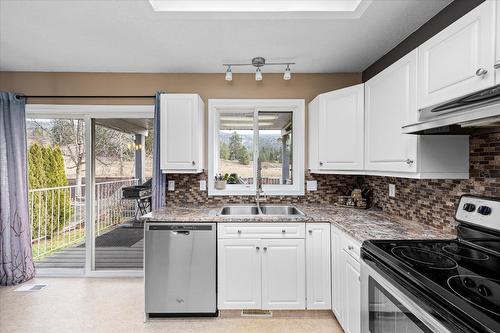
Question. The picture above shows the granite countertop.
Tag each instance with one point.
(360, 224)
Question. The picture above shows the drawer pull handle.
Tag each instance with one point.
(239, 231)
(350, 247)
(481, 72)
(265, 248)
(310, 231)
(283, 231)
(257, 248)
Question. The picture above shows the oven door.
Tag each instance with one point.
(385, 309)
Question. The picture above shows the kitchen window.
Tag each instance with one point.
(246, 134)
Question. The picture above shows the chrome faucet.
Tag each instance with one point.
(259, 190)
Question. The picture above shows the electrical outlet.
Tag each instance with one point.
(171, 185)
(392, 190)
(312, 185)
(203, 185)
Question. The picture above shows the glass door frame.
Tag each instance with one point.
(89, 113)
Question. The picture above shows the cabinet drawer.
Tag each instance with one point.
(261, 230)
(352, 247)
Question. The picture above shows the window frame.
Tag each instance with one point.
(216, 107)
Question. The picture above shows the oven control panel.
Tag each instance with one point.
(484, 212)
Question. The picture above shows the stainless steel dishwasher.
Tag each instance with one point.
(180, 265)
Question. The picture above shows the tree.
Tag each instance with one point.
(234, 146)
(243, 155)
(224, 151)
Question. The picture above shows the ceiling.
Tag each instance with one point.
(128, 36)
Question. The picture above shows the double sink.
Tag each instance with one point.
(261, 210)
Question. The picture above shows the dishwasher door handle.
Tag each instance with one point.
(181, 232)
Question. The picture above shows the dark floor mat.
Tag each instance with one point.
(119, 237)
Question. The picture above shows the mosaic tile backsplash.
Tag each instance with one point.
(428, 201)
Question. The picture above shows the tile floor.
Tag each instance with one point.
(116, 305)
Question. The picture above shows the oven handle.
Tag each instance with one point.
(427, 319)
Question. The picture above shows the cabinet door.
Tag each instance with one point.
(179, 132)
(352, 314)
(239, 274)
(391, 103)
(341, 125)
(318, 266)
(497, 53)
(283, 274)
(337, 275)
(449, 62)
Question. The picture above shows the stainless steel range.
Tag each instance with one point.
(436, 285)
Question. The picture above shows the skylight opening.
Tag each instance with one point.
(254, 6)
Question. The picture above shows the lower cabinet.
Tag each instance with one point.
(283, 274)
(346, 294)
(318, 266)
(239, 274)
(260, 268)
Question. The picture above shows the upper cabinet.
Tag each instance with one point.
(390, 103)
(336, 130)
(460, 59)
(497, 53)
(182, 133)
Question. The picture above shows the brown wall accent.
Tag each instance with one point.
(303, 86)
(441, 20)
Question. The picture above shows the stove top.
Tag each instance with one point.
(462, 274)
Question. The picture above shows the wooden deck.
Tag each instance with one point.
(107, 258)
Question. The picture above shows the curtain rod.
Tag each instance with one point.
(84, 96)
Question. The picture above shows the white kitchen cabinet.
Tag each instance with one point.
(318, 263)
(346, 294)
(352, 293)
(283, 274)
(337, 296)
(239, 274)
(266, 272)
(497, 42)
(390, 103)
(459, 59)
(182, 121)
(336, 130)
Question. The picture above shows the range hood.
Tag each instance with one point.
(474, 113)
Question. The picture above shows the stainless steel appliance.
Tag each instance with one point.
(180, 265)
(447, 286)
(463, 115)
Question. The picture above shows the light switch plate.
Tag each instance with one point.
(171, 185)
(392, 190)
(312, 185)
(203, 185)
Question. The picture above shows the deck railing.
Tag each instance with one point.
(57, 214)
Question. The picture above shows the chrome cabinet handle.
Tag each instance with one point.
(265, 248)
(350, 247)
(497, 65)
(239, 231)
(409, 162)
(320, 163)
(481, 72)
(193, 163)
(310, 231)
(283, 230)
(257, 248)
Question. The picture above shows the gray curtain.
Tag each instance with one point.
(16, 262)
(159, 179)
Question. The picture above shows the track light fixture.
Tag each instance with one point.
(260, 62)
(229, 74)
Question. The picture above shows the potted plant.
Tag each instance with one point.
(221, 181)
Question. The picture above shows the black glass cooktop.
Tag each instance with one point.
(464, 276)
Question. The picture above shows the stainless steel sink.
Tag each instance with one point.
(238, 210)
(280, 210)
(248, 210)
